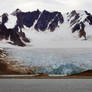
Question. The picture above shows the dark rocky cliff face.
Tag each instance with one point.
(76, 21)
(88, 18)
(45, 20)
(49, 20)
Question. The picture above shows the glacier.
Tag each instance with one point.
(59, 61)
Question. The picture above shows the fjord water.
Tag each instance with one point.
(45, 85)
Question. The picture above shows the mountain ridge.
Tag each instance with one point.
(76, 22)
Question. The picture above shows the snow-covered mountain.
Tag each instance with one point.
(79, 19)
(45, 29)
(50, 29)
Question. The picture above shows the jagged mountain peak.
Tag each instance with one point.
(77, 16)
(63, 26)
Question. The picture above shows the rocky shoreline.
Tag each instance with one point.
(83, 75)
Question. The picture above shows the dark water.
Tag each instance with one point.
(44, 85)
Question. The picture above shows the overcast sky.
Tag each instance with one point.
(60, 5)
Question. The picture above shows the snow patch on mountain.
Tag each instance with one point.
(62, 37)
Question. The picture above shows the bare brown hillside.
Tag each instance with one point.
(10, 66)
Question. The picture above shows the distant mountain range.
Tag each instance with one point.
(75, 21)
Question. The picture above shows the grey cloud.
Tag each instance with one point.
(63, 5)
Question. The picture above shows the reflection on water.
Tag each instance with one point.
(55, 61)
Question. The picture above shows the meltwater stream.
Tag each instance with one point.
(62, 61)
